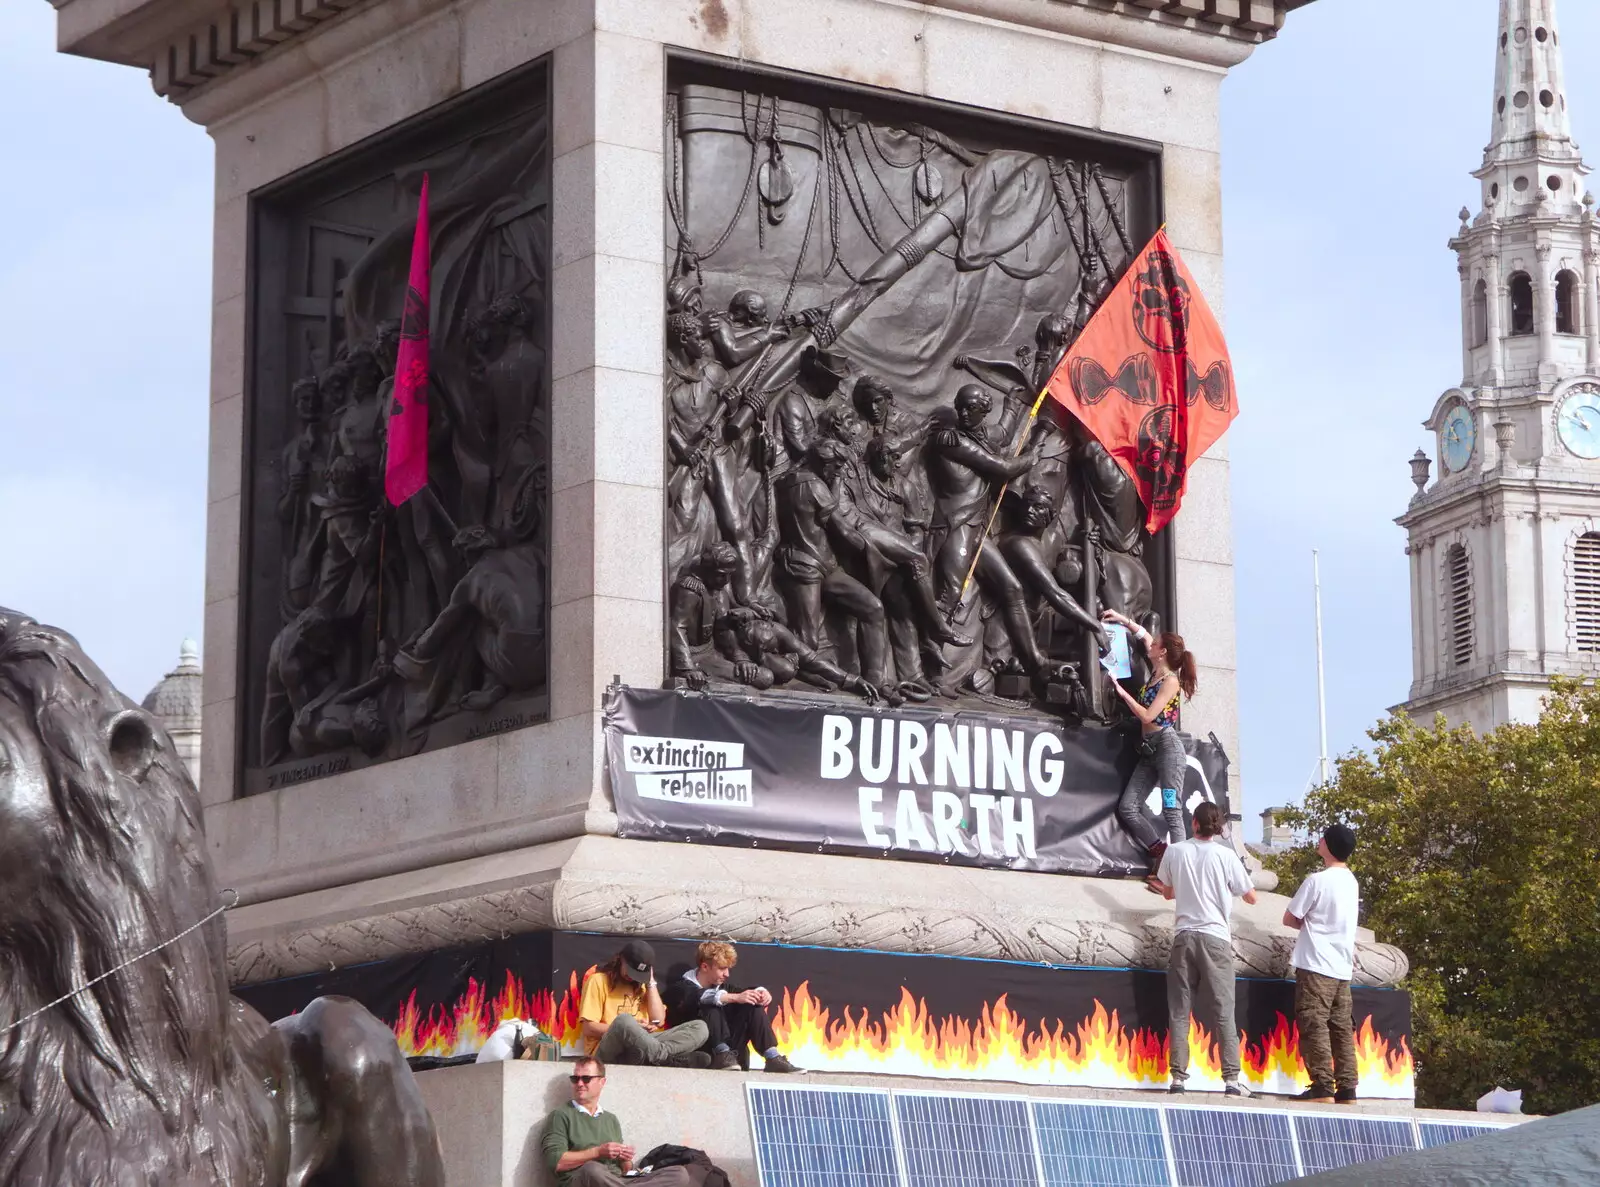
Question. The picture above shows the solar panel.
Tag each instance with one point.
(956, 1141)
(1231, 1147)
(831, 1137)
(1329, 1142)
(1100, 1145)
(1442, 1133)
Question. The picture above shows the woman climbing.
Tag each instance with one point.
(1162, 759)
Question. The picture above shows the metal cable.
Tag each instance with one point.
(132, 960)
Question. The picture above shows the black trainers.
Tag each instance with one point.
(779, 1064)
(1314, 1095)
(724, 1061)
(1177, 1088)
(1345, 1097)
(698, 1059)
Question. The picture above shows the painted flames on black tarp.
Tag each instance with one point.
(1096, 1052)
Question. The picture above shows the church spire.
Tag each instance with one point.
(1531, 161)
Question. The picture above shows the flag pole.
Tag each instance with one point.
(1322, 697)
(994, 511)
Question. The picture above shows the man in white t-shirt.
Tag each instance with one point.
(1203, 875)
(1324, 912)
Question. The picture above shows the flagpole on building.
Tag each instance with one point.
(1322, 693)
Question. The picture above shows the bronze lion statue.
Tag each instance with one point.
(155, 1076)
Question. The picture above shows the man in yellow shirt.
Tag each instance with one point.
(623, 1016)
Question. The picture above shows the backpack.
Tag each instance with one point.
(535, 1044)
(702, 1173)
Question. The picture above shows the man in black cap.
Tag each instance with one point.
(623, 1016)
(1324, 912)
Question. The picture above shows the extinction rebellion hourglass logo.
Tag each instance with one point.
(688, 770)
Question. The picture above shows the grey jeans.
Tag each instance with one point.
(1165, 770)
(626, 1041)
(1200, 971)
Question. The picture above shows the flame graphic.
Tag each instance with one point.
(1098, 1052)
(907, 1040)
(465, 1027)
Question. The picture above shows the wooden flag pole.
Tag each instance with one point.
(994, 512)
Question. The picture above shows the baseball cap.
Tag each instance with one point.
(1341, 841)
(637, 960)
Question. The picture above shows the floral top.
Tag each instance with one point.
(1168, 717)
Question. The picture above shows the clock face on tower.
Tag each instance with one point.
(1457, 437)
(1578, 422)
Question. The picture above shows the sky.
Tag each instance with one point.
(1347, 150)
(1348, 146)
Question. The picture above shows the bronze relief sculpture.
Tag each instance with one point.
(155, 1074)
(372, 631)
(852, 362)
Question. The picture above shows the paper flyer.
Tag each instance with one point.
(1117, 663)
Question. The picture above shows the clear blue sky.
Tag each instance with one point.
(1348, 144)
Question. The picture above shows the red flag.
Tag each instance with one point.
(1150, 377)
(406, 467)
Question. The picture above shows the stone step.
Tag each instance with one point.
(490, 1115)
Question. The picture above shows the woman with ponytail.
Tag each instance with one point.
(1162, 759)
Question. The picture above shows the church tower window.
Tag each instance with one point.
(1586, 592)
(1521, 304)
(1480, 314)
(1458, 592)
(1567, 303)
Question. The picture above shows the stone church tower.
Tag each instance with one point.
(1505, 542)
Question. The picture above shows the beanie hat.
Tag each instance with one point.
(1341, 841)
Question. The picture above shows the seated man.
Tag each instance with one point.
(621, 1014)
(736, 1019)
(583, 1143)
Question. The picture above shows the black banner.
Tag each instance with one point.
(1022, 792)
(849, 1011)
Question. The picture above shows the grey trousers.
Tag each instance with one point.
(598, 1174)
(1165, 770)
(626, 1041)
(1200, 971)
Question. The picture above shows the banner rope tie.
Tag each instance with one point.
(132, 960)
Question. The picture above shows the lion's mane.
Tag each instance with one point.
(138, 1079)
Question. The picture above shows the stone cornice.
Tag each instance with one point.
(1468, 493)
(748, 896)
(188, 45)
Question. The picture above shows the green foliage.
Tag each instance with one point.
(1480, 857)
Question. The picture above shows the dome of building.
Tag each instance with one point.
(176, 701)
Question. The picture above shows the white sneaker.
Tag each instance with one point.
(1237, 1088)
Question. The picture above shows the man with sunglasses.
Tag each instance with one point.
(583, 1143)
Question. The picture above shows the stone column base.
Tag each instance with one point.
(595, 883)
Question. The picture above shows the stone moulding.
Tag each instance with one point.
(184, 61)
(588, 901)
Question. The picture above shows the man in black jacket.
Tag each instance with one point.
(736, 1019)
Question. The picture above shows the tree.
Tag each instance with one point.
(1480, 858)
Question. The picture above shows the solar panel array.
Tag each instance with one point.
(954, 1141)
(1097, 1146)
(1328, 1143)
(826, 1137)
(867, 1137)
(1231, 1147)
(1442, 1133)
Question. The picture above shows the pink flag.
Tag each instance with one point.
(406, 469)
